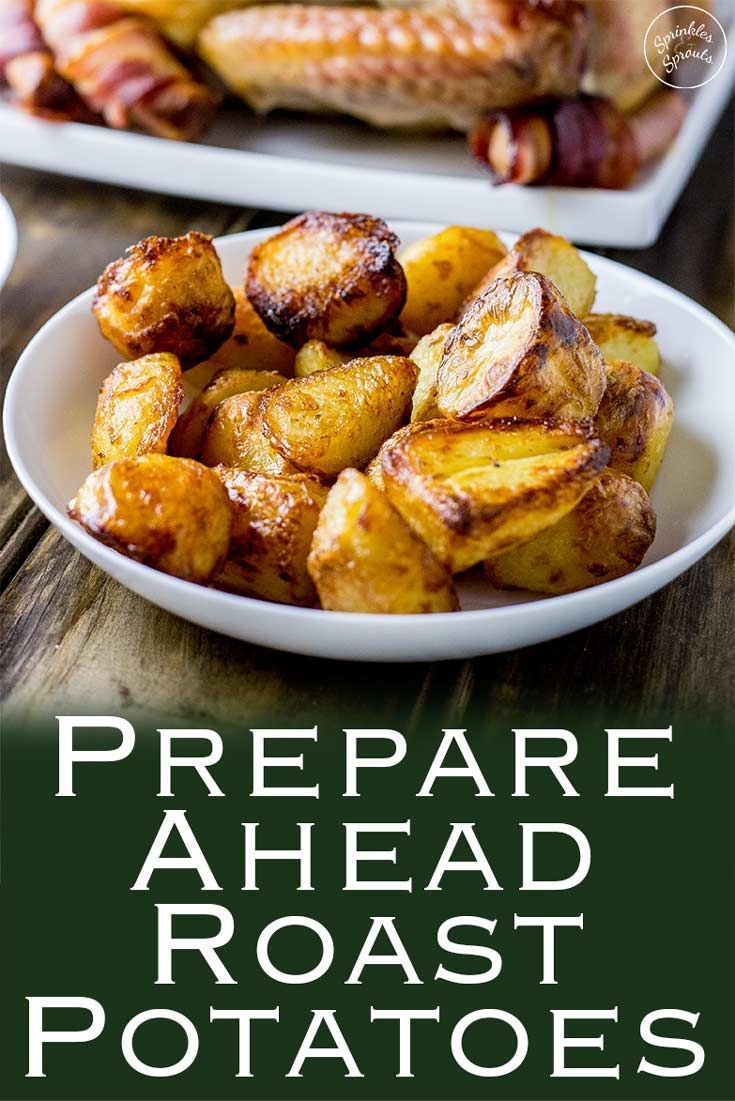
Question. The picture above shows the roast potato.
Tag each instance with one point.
(629, 338)
(273, 523)
(442, 270)
(330, 277)
(172, 514)
(427, 355)
(471, 490)
(234, 436)
(365, 558)
(554, 257)
(340, 417)
(137, 408)
(252, 347)
(519, 351)
(188, 435)
(634, 420)
(167, 294)
(604, 537)
(315, 356)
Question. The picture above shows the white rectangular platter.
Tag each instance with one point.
(289, 162)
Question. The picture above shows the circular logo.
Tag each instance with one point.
(685, 46)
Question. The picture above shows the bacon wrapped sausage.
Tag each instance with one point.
(582, 142)
(123, 69)
(19, 32)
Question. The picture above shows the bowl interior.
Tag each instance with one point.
(53, 400)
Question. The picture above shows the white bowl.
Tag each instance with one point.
(50, 405)
(8, 239)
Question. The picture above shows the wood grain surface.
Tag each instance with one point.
(72, 637)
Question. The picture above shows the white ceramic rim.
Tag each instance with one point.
(8, 239)
(622, 592)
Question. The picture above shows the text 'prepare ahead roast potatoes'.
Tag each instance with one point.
(330, 277)
(167, 294)
(605, 536)
(273, 521)
(137, 408)
(518, 350)
(339, 417)
(172, 514)
(365, 558)
(471, 490)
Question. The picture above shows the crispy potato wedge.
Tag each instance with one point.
(172, 514)
(605, 536)
(330, 277)
(554, 257)
(442, 270)
(471, 490)
(519, 351)
(427, 355)
(137, 408)
(374, 469)
(340, 417)
(167, 294)
(273, 524)
(188, 435)
(629, 338)
(252, 347)
(634, 420)
(234, 437)
(365, 558)
(315, 356)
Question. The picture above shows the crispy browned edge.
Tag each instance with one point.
(458, 512)
(146, 252)
(288, 315)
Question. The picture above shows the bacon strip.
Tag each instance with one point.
(581, 142)
(123, 69)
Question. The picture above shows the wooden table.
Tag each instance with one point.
(72, 636)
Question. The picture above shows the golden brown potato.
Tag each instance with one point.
(315, 356)
(187, 436)
(365, 558)
(554, 257)
(374, 469)
(471, 490)
(629, 338)
(604, 537)
(273, 522)
(427, 355)
(252, 347)
(167, 294)
(340, 417)
(519, 351)
(634, 420)
(442, 270)
(234, 436)
(330, 277)
(137, 408)
(172, 514)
